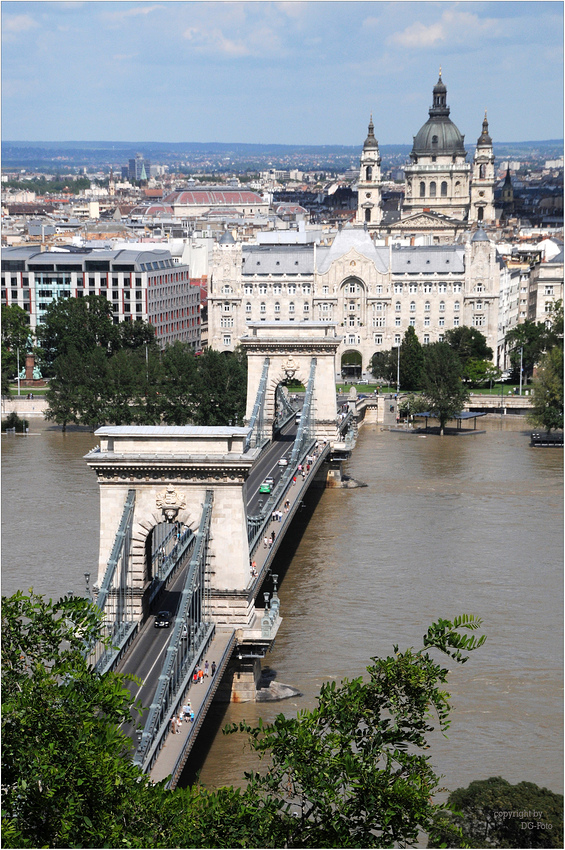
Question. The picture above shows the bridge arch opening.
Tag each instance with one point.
(351, 365)
(159, 546)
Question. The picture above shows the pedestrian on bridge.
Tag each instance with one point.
(266, 539)
(206, 668)
(213, 668)
(174, 724)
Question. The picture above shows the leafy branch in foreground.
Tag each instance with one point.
(354, 771)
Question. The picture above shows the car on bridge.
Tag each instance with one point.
(163, 620)
(267, 485)
(283, 461)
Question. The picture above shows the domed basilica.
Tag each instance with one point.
(443, 192)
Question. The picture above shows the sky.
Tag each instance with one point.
(278, 72)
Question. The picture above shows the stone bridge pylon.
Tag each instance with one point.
(171, 469)
(290, 348)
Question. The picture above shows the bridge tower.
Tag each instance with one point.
(290, 348)
(171, 470)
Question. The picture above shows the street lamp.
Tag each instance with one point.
(87, 580)
(398, 371)
(521, 362)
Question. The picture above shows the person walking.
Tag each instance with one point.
(206, 668)
(174, 724)
(213, 668)
(179, 724)
(186, 711)
(265, 539)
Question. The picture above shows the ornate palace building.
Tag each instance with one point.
(373, 293)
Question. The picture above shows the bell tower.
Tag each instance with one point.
(369, 185)
(482, 183)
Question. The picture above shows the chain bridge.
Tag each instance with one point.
(190, 521)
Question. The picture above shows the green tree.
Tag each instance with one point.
(468, 343)
(411, 361)
(547, 391)
(179, 387)
(527, 342)
(16, 336)
(383, 366)
(442, 385)
(78, 323)
(494, 813)
(355, 770)
(221, 388)
(478, 373)
(67, 776)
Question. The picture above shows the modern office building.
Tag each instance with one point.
(145, 285)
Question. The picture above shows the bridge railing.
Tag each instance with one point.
(115, 597)
(190, 633)
(256, 423)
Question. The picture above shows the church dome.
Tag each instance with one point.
(439, 135)
(370, 142)
(484, 140)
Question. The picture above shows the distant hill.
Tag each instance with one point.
(70, 155)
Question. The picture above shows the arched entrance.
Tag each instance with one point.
(351, 365)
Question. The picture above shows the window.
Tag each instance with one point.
(422, 189)
(277, 289)
(263, 307)
(398, 289)
(412, 306)
(433, 189)
(479, 305)
(306, 307)
(227, 339)
(440, 338)
(413, 322)
(378, 339)
(441, 306)
(442, 287)
(248, 307)
(227, 307)
(379, 289)
(226, 322)
(441, 321)
(548, 290)
(456, 321)
(444, 189)
(478, 321)
(306, 289)
(426, 321)
(397, 321)
(292, 289)
(262, 289)
(325, 307)
(248, 289)
(427, 306)
(351, 321)
(368, 216)
(548, 306)
(427, 287)
(226, 290)
(413, 287)
(479, 287)
(368, 173)
(397, 339)
(457, 287)
(397, 306)
(325, 290)
(291, 307)
(353, 288)
(378, 322)
(352, 306)
(352, 339)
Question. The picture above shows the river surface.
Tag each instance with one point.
(472, 524)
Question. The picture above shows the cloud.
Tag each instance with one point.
(452, 28)
(132, 12)
(214, 41)
(18, 23)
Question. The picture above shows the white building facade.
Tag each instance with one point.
(373, 293)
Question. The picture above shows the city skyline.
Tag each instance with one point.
(306, 73)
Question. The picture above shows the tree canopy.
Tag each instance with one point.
(411, 361)
(16, 336)
(442, 386)
(353, 772)
(547, 391)
(494, 813)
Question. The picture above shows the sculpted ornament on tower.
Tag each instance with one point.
(170, 502)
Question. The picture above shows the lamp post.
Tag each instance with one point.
(18, 367)
(521, 363)
(398, 371)
(87, 581)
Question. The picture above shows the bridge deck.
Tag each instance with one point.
(176, 749)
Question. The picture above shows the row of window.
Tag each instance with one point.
(262, 288)
(263, 307)
(456, 286)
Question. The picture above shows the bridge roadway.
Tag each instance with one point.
(144, 658)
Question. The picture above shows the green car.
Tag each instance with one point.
(266, 486)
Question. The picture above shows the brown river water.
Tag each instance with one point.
(469, 524)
